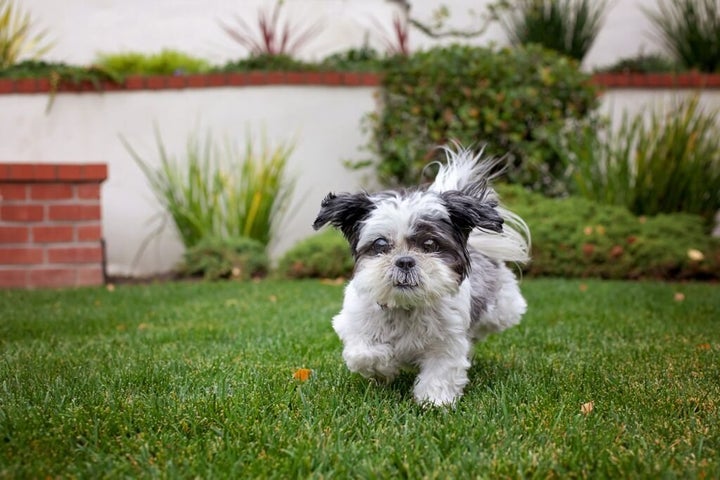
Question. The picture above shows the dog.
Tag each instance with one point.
(430, 277)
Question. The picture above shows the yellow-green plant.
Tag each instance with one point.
(17, 36)
(669, 162)
(218, 192)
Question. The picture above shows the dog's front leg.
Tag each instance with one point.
(443, 375)
(374, 361)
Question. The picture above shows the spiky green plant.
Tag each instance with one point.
(667, 163)
(690, 31)
(220, 192)
(566, 26)
(165, 62)
(17, 36)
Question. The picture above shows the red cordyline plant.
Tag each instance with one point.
(397, 41)
(272, 37)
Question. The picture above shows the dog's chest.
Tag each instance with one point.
(410, 331)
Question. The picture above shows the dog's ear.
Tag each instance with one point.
(345, 211)
(468, 212)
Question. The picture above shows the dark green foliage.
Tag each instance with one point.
(323, 255)
(566, 26)
(60, 73)
(574, 237)
(690, 31)
(356, 59)
(644, 63)
(217, 258)
(511, 99)
(266, 62)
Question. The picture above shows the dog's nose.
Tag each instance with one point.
(405, 263)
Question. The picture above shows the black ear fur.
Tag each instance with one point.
(468, 212)
(345, 211)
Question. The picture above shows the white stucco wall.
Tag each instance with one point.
(324, 121)
(82, 28)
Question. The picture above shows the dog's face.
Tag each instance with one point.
(410, 248)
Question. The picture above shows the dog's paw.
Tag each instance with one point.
(444, 390)
(375, 362)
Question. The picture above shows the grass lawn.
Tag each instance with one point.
(193, 379)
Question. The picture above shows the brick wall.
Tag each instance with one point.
(50, 225)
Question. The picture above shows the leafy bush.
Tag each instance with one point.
(575, 237)
(356, 59)
(217, 258)
(215, 193)
(569, 27)
(17, 38)
(513, 99)
(644, 63)
(267, 62)
(166, 62)
(323, 255)
(690, 31)
(669, 164)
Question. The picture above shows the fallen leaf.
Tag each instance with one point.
(600, 230)
(704, 346)
(583, 287)
(586, 408)
(272, 298)
(695, 255)
(110, 287)
(302, 374)
(236, 272)
(588, 249)
(588, 231)
(679, 296)
(333, 281)
(616, 251)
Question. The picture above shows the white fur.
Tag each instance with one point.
(431, 327)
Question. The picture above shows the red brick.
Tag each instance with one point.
(89, 233)
(52, 277)
(73, 212)
(216, 80)
(21, 213)
(69, 172)
(21, 256)
(275, 78)
(256, 78)
(176, 81)
(94, 172)
(45, 172)
(312, 78)
(43, 85)
(51, 191)
(11, 234)
(13, 191)
(89, 276)
(88, 191)
(53, 234)
(75, 254)
(13, 278)
(155, 82)
(236, 78)
(25, 85)
(6, 85)
(332, 78)
(21, 171)
(196, 81)
(135, 82)
(351, 78)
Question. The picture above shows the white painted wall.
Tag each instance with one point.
(325, 121)
(82, 28)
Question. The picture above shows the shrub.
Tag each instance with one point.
(644, 63)
(669, 164)
(690, 31)
(569, 27)
(323, 255)
(166, 62)
(17, 39)
(220, 193)
(513, 99)
(575, 237)
(267, 62)
(216, 258)
(356, 59)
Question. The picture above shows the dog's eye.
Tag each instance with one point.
(430, 245)
(381, 246)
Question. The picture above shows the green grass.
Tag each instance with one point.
(191, 380)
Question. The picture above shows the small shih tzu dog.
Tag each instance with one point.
(430, 277)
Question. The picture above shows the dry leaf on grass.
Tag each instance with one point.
(302, 374)
(679, 296)
(586, 408)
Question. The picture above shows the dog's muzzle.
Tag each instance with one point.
(404, 274)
